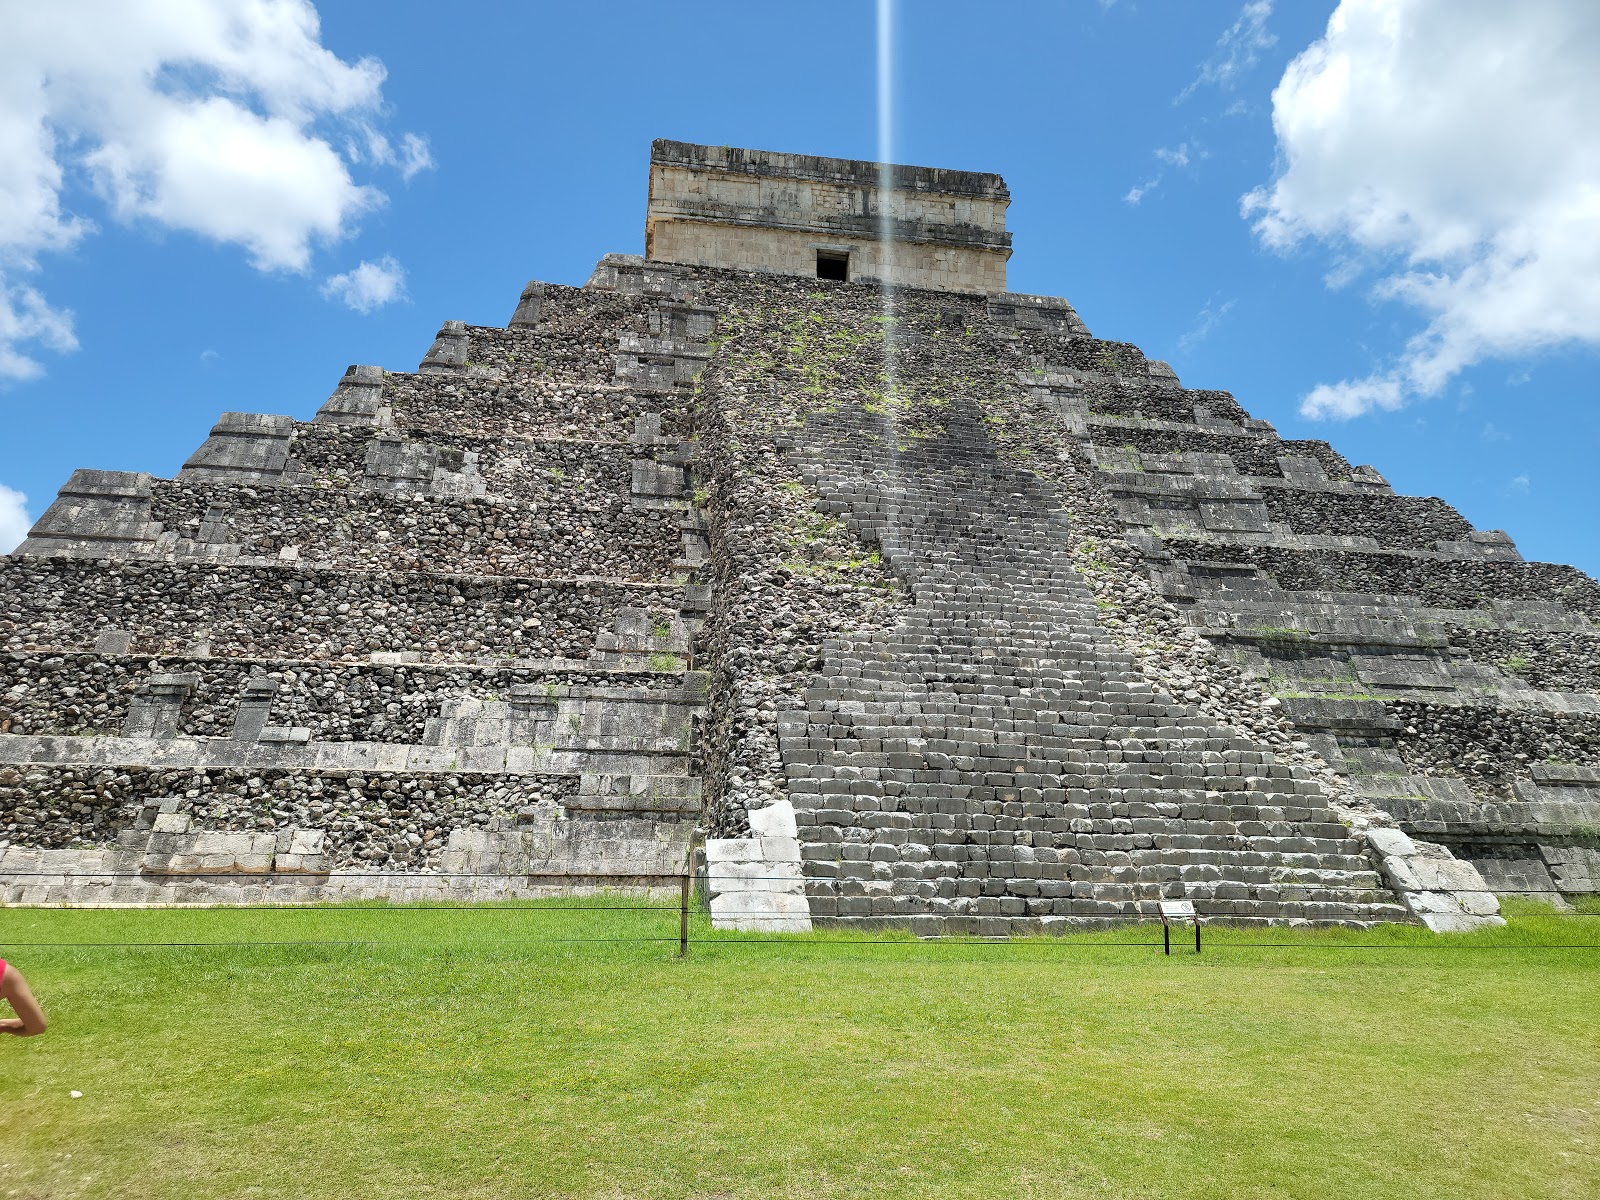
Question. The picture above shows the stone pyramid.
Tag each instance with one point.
(916, 602)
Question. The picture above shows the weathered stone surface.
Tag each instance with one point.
(343, 686)
(935, 611)
(758, 883)
(96, 512)
(720, 206)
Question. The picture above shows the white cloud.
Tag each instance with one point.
(212, 117)
(1453, 141)
(1350, 398)
(1237, 50)
(14, 519)
(1343, 273)
(1138, 191)
(25, 319)
(1205, 324)
(412, 157)
(1172, 156)
(369, 286)
(1518, 484)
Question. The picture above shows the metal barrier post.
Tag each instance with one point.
(683, 918)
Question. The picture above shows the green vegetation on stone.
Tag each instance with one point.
(1302, 694)
(830, 569)
(1277, 633)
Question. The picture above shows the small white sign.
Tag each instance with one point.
(1177, 908)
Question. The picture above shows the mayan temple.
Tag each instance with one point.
(875, 591)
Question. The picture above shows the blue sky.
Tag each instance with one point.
(1420, 246)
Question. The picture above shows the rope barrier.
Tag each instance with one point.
(798, 943)
(684, 884)
(532, 910)
(392, 909)
(268, 876)
(307, 942)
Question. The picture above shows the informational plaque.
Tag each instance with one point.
(1177, 910)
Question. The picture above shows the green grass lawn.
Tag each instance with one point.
(379, 1052)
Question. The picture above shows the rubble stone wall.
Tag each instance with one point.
(304, 611)
(79, 694)
(598, 533)
(380, 819)
(1435, 582)
(433, 644)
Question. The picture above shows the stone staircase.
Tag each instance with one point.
(996, 765)
(1454, 685)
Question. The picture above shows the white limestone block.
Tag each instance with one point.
(1426, 903)
(1447, 875)
(733, 850)
(774, 821)
(761, 912)
(754, 877)
(464, 839)
(1390, 841)
(1479, 904)
(1456, 922)
(780, 849)
(1400, 873)
(218, 842)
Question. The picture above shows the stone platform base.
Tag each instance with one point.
(173, 866)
